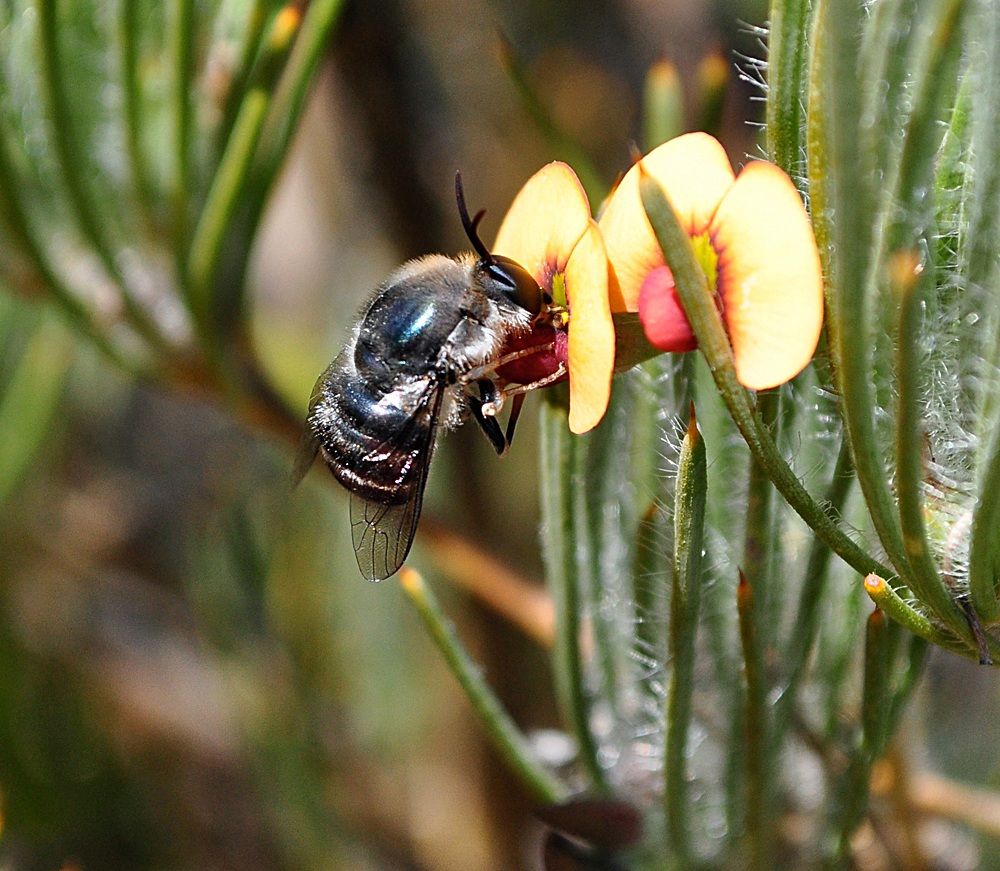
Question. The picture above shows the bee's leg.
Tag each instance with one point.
(551, 378)
(515, 412)
(487, 422)
(480, 371)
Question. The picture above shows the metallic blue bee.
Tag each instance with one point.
(425, 352)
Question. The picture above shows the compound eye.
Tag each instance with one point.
(516, 282)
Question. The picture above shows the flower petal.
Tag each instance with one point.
(547, 218)
(695, 173)
(769, 276)
(591, 331)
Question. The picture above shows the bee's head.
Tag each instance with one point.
(498, 273)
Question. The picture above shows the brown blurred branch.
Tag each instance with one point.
(931, 794)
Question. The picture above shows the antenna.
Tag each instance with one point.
(471, 225)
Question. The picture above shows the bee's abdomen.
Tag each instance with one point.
(374, 448)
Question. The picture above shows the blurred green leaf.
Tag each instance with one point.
(29, 400)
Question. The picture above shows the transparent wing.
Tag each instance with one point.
(383, 531)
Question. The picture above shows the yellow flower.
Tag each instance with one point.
(550, 232)
(753, 239)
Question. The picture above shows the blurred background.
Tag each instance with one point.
(192, 672)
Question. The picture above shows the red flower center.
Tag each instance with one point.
(662, 315)
(553, 351)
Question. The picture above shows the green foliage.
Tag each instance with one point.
(904, 203)
(706, 581)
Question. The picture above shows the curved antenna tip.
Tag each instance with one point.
(471, 225)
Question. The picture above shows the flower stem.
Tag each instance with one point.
(606, 505)
(506, 737)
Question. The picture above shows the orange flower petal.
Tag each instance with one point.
(695, 173)
(769, 276)
(591, 331)
(547, 218)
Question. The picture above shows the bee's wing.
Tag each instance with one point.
(309, 443)
(383, 531)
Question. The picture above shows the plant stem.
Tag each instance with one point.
(280, 124)
(759, 541)
(558, 448)
(909, 288)
(758, 821)
(900, 612)
(981, 269)
(984, 549)
(28, 400)
(787, 53)
(686, 580)
(506, 737)
(881, 638)
(811, 596)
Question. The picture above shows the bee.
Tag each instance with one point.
(425, 354)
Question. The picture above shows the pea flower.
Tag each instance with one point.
(550, 232)
(754, 241)
(750, 234)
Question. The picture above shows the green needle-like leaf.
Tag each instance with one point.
(560, 501)
(662, 105)
(217, 306)
(787, 57)
(29, 401)
(506, 737)
(686, 580)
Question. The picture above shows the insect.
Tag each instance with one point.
(426, 353)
